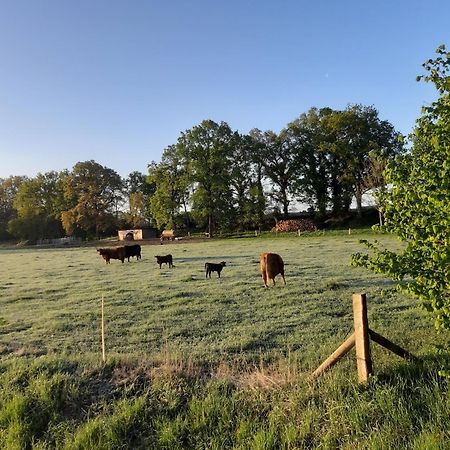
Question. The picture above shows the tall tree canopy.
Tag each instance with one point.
(8, 191)
(95, 193)
(358, 137)
(206, 149)
(139, 191)
(170, 180)
(417, 207)
(39, 203)
(308, 134)
(279, 156)
(245, 182)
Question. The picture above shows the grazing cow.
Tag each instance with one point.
(168, 234)
(164, 260)
(112, 253)
(132, 250)
(271, 265)
(211, 267)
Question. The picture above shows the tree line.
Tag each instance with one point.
(212, 178)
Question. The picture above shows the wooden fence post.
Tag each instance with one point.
(103, 333)
(394, 348)
(336, 356)
(362, 342)
(360, 339)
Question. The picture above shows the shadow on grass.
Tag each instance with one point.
(424, 370)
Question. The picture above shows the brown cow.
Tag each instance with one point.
(112, 253)
(271, 265)
(164, 260)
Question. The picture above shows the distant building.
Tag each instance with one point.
(138, 234)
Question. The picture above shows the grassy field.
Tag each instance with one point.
(209, 363)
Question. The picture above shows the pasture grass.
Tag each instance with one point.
(210, 363)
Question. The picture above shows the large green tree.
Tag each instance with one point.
(171, 188)
(139, 191)
(245, 182)
(417, 206)
(257, 194)
(207, 150)
(39, 203)
(357, 138)
(8, 191)
(280, 165)
(96, 193)
(308, 134)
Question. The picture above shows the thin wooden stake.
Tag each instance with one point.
(103, 332)
(362, 342)
(336, 356)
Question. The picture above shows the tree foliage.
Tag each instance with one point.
(280, 160)
(139, 192)
(95, 193)
(171, 185)
(8, 191)
(245, 182)
(206, 149)
(417, 207)
(358, 137)
(39, 203)
(308, 133)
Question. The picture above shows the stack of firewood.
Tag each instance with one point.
(294, 225)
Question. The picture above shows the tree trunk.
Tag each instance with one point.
(347, 201)
(210, 225)
(321, 203)
(285, 203)
(187, 220)
(336, 197)
(358, 196)
(380, 216)
(261, 199)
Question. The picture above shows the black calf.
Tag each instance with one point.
(211, 267)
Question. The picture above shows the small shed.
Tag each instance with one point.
(138, 234)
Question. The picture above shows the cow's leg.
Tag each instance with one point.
(284, 280)
(264, 277)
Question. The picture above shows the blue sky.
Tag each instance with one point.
(117, 81)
